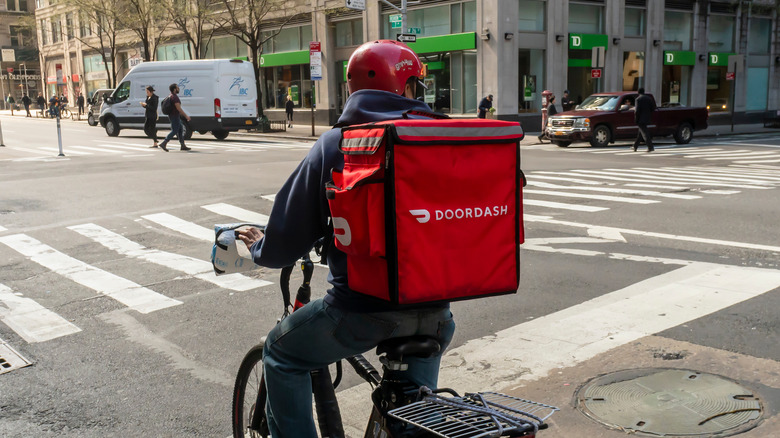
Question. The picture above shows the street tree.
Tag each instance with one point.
(193, 19)
(106, 17)
(255, 22)
(148, 19)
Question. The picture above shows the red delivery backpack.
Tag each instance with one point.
(430, 210)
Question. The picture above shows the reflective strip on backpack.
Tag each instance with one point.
(418, 133)
(362, 141)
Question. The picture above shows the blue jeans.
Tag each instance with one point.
(176, 130)
(318, 335)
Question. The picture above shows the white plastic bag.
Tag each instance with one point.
(229, 254)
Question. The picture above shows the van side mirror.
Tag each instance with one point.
(109, 100)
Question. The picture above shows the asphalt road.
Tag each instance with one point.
(684, 239)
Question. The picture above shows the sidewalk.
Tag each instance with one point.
(303, 131)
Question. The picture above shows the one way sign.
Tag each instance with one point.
(406, 38)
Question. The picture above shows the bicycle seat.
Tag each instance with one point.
(420, 346)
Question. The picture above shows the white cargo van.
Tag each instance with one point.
(218, 94)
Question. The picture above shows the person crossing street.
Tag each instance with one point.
(643, 116)
(175, 117)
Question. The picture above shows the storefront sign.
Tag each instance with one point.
(28, 77)
(730, 75)
(74, 78)
(285, 58)
(395, 21)
(9, 55)
(97, 75)
(719, 59)
(315, 61)
(587, 41)
(681, 57)
(51, 79)
(445, 43)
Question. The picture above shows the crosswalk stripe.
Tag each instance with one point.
(200, 269)
(559, 178)
(758, 161)
(634, 177)
(271, 198)
(562, 206)
(182, 226)
(3, 229)
(746, 156)
(125, 291)
(30, 320)
(612, 190)
(707, 175)
(697, 153)
(656, 186)
(90, 148)
(239, 213)
(201, 145)
(584, 196)
(685, 175)
(118, 146)
(65, 150)
(759, 174)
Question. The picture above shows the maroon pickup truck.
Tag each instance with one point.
(605, 117)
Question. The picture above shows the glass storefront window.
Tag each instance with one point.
(470, 16)
(532, 16)
(531, 77)
(173, 52)
(287, 40)
(757, 86)
(437, 20)
(635, 22)
(280, 81)
(677, 30)
(586, 18)
(439, 93)
(349, 33)
(720, 36)
(758, 39)
(675, 85)
(633, 70)
(718, 90)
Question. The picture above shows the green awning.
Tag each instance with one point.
(680, 57)
(719, 59)
(587, 41)
(445, 43)
(284, 58)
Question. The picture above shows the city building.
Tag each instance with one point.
(678, 50)
(19, 73)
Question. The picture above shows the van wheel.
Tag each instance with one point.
(187, 130)
(684, 133)
(561, 144)
(220, 135)
(112, 127)
(91, 120)
(601, 136)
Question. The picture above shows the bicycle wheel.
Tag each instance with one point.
(249, 394)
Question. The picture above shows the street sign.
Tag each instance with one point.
(395, 21)
(597, 57)
(359, 5)
(315, 60)
(406, 38)
(730, 75)
(8, 55)
(415, 30)
(595, 73)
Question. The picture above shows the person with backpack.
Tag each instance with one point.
(11, 102)
(382, 77)
(150, 115)
(171, 106)
(41, 101)
(26, 102)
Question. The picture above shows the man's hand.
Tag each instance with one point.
(249, 235)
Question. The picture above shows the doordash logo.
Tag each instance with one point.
(424, 216)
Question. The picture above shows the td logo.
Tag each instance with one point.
(669, 58)
(576, 41)
(713, 59)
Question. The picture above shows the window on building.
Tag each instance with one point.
(678, 27)
(586, 18)
(436, 20)
(292, 80)
(20, 36)
(56, 30)
(635, 22)
(84, 26)
(173, 52)
(759, 36)
(349, 33)
(633, 70)
(531, 76)
(40, 3)
(44, 32)
(532, 15)
(69, 25)
(720, 36)
(16, 5)
(290, 39)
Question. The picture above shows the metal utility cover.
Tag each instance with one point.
(661, 402)
(10, 359)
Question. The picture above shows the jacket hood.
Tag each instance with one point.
(365, 106)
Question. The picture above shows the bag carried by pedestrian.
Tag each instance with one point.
(166, 106)
(430, 210)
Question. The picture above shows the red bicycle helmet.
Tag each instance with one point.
(382, 65)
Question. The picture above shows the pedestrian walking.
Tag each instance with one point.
(80, 104)
(642, 116)
(485, 105)
(41, 101)
(551, 111)
(566, 101)
(288, 107)
(26, 102)
(175, 117)
(11, 101)
(150, 122)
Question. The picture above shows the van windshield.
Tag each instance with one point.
(601, 103)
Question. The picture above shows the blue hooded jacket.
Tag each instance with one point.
(300, 213)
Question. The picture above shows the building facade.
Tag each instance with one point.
(19, 73)
(678, 50)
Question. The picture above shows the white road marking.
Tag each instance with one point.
(271, 198)
(562, 206)
(757, 161)
(700, 174)
(697, 153)
(138, 155)
(612, 190)
(120, 146)
(125, 291)
(65, 150)
(532, 350)
(90, 148)
(656, 186)
(182, 226)
(662, 179)
(3, 229)
(559, 178)
(753, 144)
(200, 269)
(754, 155)
(239, 213)
(586, 196)
(759, 175)
(30, 320)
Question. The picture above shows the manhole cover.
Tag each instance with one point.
(669, 402)
(10, 359)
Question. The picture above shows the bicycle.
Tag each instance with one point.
(400, 408)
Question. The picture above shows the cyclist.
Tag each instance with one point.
(382, 77)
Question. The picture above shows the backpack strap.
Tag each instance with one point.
(430, 115)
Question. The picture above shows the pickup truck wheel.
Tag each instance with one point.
(112, 127)
(684, 133)
(601, 136)
(561, 144)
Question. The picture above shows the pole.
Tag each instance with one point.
(312, 108)
(59, 134)
(733, 89)
(2, 86)
(26, 88)
(1, 135)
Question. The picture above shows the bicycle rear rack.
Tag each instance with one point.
(483, 414)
